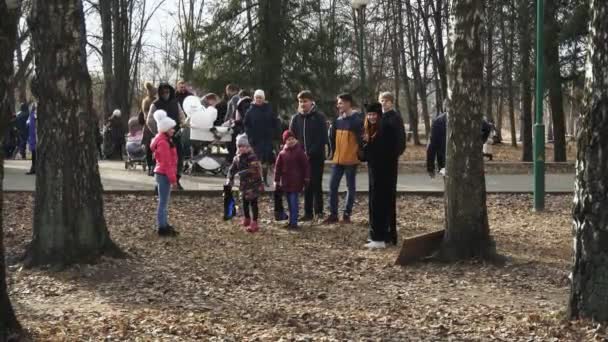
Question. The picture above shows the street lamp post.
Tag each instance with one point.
(539, 127)
(359, 7)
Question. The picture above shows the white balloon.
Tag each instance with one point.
(192, 105)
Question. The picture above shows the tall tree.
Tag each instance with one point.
(589, 289)
(271, 14)
(189, 22)
(9, 326)
(554, 79)
(489, 24)
(467, 232)
(105, 11)
(69, 225)
(525, 78)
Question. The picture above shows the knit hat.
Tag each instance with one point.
(374, 108)
(259, 93)
(286, 135)
(163, 122)
(116, 113)
(242, 140)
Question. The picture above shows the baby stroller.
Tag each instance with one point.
(136, 153)
(212, 140)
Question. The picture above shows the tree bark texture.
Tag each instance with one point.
(589, 289)
(9, 326)
(467, 233)
(489, 60)
(526, 78)
(554, 80)
(271, 15)
(69, 225)
(105, 11)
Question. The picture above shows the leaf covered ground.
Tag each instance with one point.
(218, 283)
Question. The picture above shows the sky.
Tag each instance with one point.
(162, 21)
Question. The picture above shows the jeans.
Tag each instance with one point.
(336, 177)
(313, 194)
(164, 192)
(293, 203)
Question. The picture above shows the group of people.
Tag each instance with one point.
(21, 135)
(376, 136)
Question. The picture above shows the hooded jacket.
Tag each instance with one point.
(311, 131)
(171, 106)
(165, 155)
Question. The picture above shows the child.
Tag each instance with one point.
(249, 169)
(291, 174)
(165, 154)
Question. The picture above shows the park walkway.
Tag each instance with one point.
(116, 179)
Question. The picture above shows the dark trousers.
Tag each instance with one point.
(33, 167)
(177, 140)
(293, 204)
(392, 224)
(22, 146)
(278, 201)
(313, 195)
(253, 206)
(150, 158)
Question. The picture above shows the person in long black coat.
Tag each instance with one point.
(260, 126)
(381, 145)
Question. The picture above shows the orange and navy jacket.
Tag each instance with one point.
(345, 139)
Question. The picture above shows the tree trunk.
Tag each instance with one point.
(510, 66)
(105, 11)
(490, 60)
(467, 233)
(410, 97)
(554, 80)
(9, 326)
(526, 75)
(69, 225)
(122, 53)
(589, 290)
(416, 65)
(270, 41)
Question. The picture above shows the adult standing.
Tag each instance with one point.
(168, 102)
(345, 142)
(146, 103)
(260, 127)
(378, 143)
(31, 139)
(182, 92)
(310, 128)
(393, 129)
(21, 124)
(232, 93)
(117, 135)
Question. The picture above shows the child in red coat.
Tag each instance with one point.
(165, 172)
(291, 174)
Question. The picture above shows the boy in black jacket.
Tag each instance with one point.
(310, 128)
(392, 126)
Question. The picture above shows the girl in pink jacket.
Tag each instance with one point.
(165, 171)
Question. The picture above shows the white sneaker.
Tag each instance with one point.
(376, 244)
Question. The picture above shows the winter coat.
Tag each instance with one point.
(292, 170)
(31, 129)
(182, 96)
(393, 129)
(345, 141)
(261, 126)
(21, 122)
(171, 106)
(165, 154)
(311, 131)
(146, 103)
(231, 110)
(436, 148)
(248, 168)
